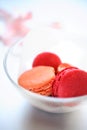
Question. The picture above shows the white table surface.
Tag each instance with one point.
(16, 113)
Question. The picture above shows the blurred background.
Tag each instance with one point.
(20, 16)
(17, 19)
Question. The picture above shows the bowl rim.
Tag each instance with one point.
(38, 96)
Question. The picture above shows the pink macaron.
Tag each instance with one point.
(70, 82)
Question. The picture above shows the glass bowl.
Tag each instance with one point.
(70, 47)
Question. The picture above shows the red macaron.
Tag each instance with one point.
(70, 82)
(47, 59)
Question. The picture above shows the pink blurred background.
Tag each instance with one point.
(19, 17)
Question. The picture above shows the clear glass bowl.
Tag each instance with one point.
(19, 57)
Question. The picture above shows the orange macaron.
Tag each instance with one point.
(38, 79)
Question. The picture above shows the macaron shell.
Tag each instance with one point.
(47, 59)
(46, 90)
(39, 80)
(73, 83)
(56, 82)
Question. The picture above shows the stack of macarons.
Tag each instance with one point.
(50, 77)
(38, 79)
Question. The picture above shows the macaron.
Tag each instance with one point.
(38, 79)
(47, 59)
(63, 66)
(70, 82)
